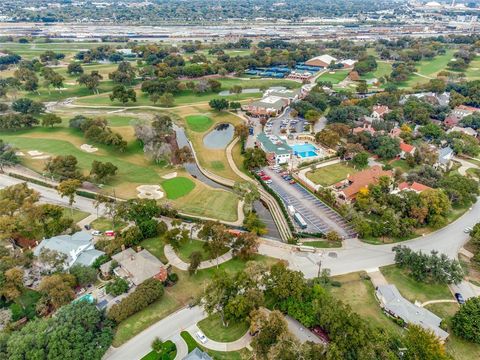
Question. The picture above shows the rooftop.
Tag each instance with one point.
(274, 144)
(197, 354)
(397, 305)
(407, 148)
(415, 186)
(361, 180)
(270, 102)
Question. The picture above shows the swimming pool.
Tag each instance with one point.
(304, 150)
(87, 297)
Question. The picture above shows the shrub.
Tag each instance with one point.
(146, 293)
(117, 287)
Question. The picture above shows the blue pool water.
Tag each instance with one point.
(304, 150)
(87, 297)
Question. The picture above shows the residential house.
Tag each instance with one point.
(273, 103)
(379, 111)
(415, 186)
(347, 190)
(430, 97)
(136, 266)
(406, 149)
(197, 354)
(348, 63)
(277, 150)
(366, 127)
(395, 132)
(463, 110)
(394, 304)
(78, 248)
(445, 157)
(451, 121)
(321, 61)
(467, 130)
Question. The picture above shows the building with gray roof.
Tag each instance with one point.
(277, 149)
(396, 305)
(78, 248)
(197, 354)
(445, 156)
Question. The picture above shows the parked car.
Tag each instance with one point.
(87, 226)
(201, 336)
(460, 298)
(261, 173)
(268, 181)
(265, 178)
(467, 230)
(96, 233)
(110, 233)
(291, 182)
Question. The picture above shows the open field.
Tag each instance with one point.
(383, 68)
(473, 71)
(177, 187)
(335, 78)
(199, 123)
(331, 174)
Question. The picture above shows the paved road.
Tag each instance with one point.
(166, 329)
(358, 256)
(51, 196)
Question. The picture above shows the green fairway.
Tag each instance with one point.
(438, 63)
(335, 78)
(177, 187)
(473, 71)
(383, 69)
(199, 123)
(331, 174)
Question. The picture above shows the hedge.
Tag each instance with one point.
(146, 293)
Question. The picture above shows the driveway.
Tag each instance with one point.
(166, 329)
(467, 289)
(318, 216)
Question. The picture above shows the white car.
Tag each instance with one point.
(268, 181)
(467, 230)
(96, 233)
(201, 336)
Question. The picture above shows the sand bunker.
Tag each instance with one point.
(88, 148)
(41, 157)
(169, 176)
(35, 153)
(149, 192)
(19, 153)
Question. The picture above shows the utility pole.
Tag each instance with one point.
(319, 268)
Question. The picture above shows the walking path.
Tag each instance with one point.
(175, 261)
(86, 221)
(437, 302)
(236, 345)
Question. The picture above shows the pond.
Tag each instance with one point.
(219, 137)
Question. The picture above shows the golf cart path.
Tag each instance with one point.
(236, 345)
(175, 261)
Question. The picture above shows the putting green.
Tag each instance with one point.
(199, 123)
(177, 187)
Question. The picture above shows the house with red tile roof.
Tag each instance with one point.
(406, 149)
(463, 110)
(415, 186)
(365, 127)
(451, 121)
(395, 132)
(347, 190)
(379, 111)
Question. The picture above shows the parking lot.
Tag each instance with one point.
(282, 124)
(318, 216)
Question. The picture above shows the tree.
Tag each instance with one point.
(102, 171)
(91, 81)
(8, 156)
(75, 68)
(235, 105)
(85, 275)
(195, 260)
(328, 137)
(387, 147)
(117, 287)
(184, 155)
(56, 291)
(63, 167)
(254, 158)
(465, 322)
(218, 104)
(242, 131)
(362, 87)
(68, 188)
(28, 106)
(245, 245)
(125, 74)
(12, 286)
(216, 237)
(360, 160)
(77, 331)
(422, 345)
(253, 224)
(51, 119)
(55, 261)
(123, 94)
(167, 100)
(269, 328)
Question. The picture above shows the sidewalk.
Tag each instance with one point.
(236, 345)
(175, 261)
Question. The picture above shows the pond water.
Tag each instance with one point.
(219, 137)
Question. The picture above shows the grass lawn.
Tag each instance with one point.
(323, 244)
(331, 174)
(216, 355)
(155, 246)
(177, 187)
(473, 71)
(401, 164)
(153, 355)
(104, 224)
(77, 215)
(335, 78)
(383, 68)
(182, 293)
(193, 245)
(414, 290)
(213, 328)
(199, 123)
(359, 294)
